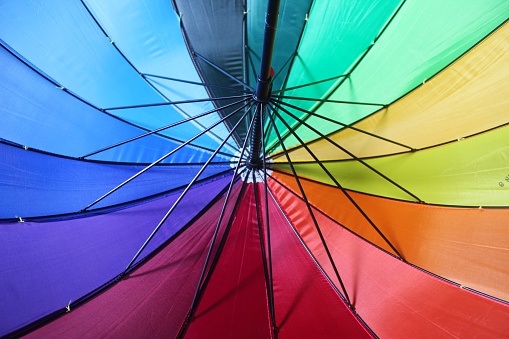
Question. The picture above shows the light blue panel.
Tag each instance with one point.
(149, 35)
(37, 114)
(64, 41)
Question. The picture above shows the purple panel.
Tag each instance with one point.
(45, 265)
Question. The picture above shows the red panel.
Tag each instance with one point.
(234, 304)
(306, 304)
(152, 301)
(395, 299)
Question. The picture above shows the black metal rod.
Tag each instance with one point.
(303, 144)
(313, 258)
(269, 247)
(308, 84)
(161, 129)
(336, 182)
(157, 90)
(264, 76)
(357, 63)
(287, 62)
(329, 100)
(182, 195)
(162, 158)
(343, 125)
(201, 287)
(268, 284)
(211, 64)
(180, 102)
(194, 83)
(251, 62)
(310, 211)
(194, 303)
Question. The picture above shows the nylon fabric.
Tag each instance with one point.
(291, 22)
(102, 77)
(386, 291)
(38, 184)
(149, 36)
(423, 38)
(46, 264)
(224, 22)
(449, 105)
(344, 29)
(303, 297)
(153, 300)
(466, 245)
(36, 114)
(234, 302)
(468, 172)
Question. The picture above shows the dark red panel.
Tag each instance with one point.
(234, 303)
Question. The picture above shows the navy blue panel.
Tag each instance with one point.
(35, 113)
(37, 184)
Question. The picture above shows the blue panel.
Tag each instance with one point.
(64, 41)
(35, 113)
(36, 184)
(149, 34)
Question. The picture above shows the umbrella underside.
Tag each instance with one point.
(149, 189)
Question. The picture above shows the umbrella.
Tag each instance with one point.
(254, 169)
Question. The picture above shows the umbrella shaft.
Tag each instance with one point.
(264, 77)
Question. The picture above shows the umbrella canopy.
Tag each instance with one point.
(254, 169)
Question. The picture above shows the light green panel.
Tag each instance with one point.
(471, 172)
(424, 37)
(335, 36)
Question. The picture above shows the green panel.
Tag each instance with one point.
(336, 34)
(471, 172)
(423, 38)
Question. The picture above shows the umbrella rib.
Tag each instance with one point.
(200, 288)
(166, 156)
(175, 204)
(296, 51)
(74, 95)
(349, 197)
(198, 291)
(334, 89)
(136, 69)
(190, 101)
(269, 247)
(308, 205)
(287, 62)
(211, 64)
(268, 277)
(251, 62)
(313, 258)
(193, 82)
(164, 128)
(343, 125)
(309, 84)
(328, 100)
(303, 144)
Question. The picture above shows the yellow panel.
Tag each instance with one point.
(468, 97)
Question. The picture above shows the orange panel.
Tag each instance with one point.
(467, 245)
(395, 299)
